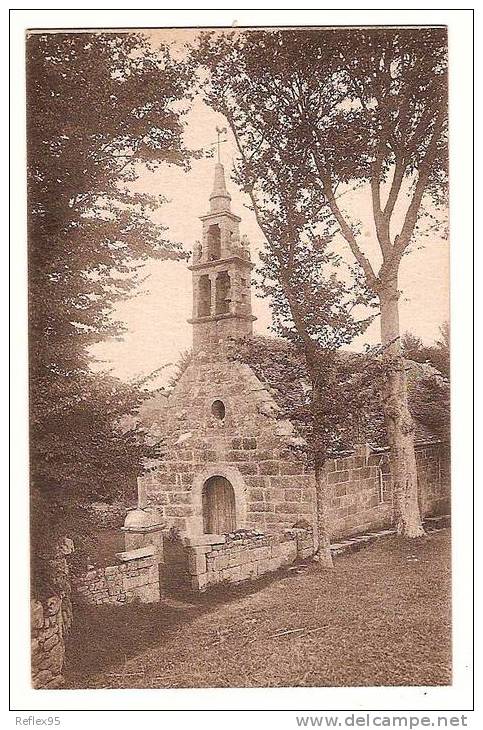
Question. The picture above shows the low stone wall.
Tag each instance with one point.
(50, 622)
(51, 619)
(136, 577)
(214, 559)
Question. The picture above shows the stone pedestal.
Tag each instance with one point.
(141, 575)
(142, 528)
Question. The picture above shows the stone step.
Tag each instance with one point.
(431, 524)
(437, 523)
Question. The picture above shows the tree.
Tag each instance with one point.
(359, 107)
(437, 354)
(412, 347)
(98, 107)
(356, 416)
(429, 398)
(429, 401)
(311, 306)
(441, 351)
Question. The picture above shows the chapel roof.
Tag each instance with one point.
(281, 368)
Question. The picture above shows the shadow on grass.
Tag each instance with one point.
(383, 617)
(105, 636)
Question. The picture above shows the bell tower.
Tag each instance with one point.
(221, 269)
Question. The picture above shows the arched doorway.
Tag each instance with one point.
(218, 504)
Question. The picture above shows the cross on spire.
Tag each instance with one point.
(219, 141)
(220, 131)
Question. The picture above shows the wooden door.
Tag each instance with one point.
(218, 500)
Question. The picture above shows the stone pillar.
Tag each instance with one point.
(362, 450)
(143, 540)
(213, 292)
(144, 527)
(140, 574)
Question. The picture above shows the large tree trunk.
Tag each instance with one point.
(398, 420)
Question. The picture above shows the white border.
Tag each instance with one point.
(457, 697)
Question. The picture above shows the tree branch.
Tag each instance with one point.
(399, 170)
(382, 229)
(402, 241)
(345, 229)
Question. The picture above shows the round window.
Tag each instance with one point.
(218, 409)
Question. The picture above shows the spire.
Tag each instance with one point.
(220, 198)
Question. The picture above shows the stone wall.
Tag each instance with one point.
(360, 489)
(354, 493)
(434, 476)
(136, 577)
(215, 559)
(50, 620)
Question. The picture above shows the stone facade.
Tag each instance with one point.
(221, 423)
(215, 559)
(360, 488)
(249, 446)
(253, 450)
(434, 475)
(357, 502)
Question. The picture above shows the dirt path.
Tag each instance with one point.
(382, 617)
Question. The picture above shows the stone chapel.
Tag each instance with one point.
(227, 459)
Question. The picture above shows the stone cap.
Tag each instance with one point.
(144, 552)
(217, 214)
(144, 530)
(143, 520)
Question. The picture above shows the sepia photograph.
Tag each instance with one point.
(239, 357)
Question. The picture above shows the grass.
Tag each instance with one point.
(381, 617)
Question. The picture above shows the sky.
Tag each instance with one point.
(157, 331)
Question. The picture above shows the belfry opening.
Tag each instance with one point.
(214, 242)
